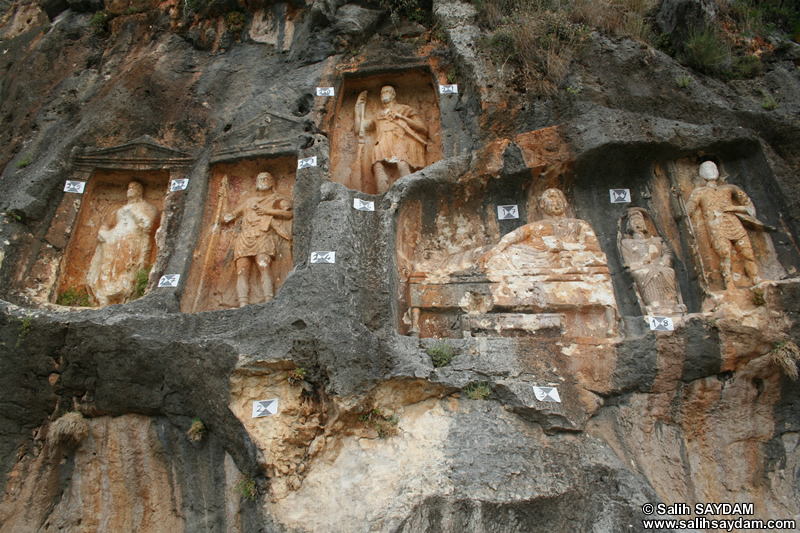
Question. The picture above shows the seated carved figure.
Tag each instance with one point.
(550, 273)
(649, 260)
(123, 248)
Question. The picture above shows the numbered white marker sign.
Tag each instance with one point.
(546, 394)
(507, 212)
(169, 280)
(265, 408)
(74, 186)
(324, 91)
(363, 205)
(178, 185)
(448, 89)
(620, 196)
(307, 162)
(661, 323)
(323, 257)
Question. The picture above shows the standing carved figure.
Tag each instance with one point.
(399, 139)
(123, 248)
(263, 216)
(649, 260)
(724, 209)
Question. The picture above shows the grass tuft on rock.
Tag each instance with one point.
(477, 391)
(441, 353)
(197, 431)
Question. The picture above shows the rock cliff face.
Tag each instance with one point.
(404, 372)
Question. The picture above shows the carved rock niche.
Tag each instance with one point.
(465, 272)
(213, 279)
(105, 195)
(352, 162)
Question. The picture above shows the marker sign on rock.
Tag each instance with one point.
(324, 91)
(265, 408)
(323, 257)
(620, 196)
(169, 280)
(178, 185)
(363, 205)
(448, 89)
(507, 212)
(307, 162)
(661, 323)
(546, 394)
(74, 186)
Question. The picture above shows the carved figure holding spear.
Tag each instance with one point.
(263, 216)
(399, 142)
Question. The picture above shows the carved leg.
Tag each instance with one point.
(381, 177)
(723, 248)
(403, 168)
(263, 262)
(750, 266)
(243, 280)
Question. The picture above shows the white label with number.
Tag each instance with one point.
(324, 91)
(169, 280)
(323, 257)
(448, 89)
(363, 205)
(74, 186)
(507, 212)
(178, 185)
(265, 408)
(546, 394)
(620, 196)
(307, 162)
(661, 323)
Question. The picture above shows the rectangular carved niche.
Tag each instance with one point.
(127, 244)
(416, 99)
(213, 278)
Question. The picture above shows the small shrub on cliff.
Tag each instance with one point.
(769, 102)
(418, 11)
(441, 353)
(246, 489)
(141, 282)
(683, 82)
(73, 297)
(297, 375)
(786, 354)
(235, 21)
(70, 429)
(382, 422)
(477, 391)
(758, 296)
(705, 51)
(197, 431)
(24, 329)
(25, 161)
(98, 22)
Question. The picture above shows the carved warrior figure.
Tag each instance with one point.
(263, 216)
(725, 208)
(400, 138)
(649, 260)
(123, 248)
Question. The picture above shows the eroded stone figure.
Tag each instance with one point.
(724, 210)
(649, 260)
(399, 138)
(123, 247)
(548, 274)
(265, 219)
(556, 241)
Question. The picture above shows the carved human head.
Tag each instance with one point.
(264, 181)
(709, 171)
(135, 190)
(388, 94)
(636, 222)
(553, 202)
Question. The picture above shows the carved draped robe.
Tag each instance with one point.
(395, 140)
